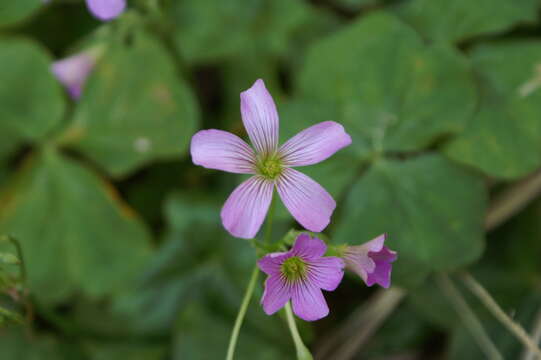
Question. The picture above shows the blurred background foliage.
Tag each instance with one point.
(121, 235)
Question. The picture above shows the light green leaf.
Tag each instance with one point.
(31, 100)
(391, 91)
(504, 138)
(459, 20)
(208, 30)
(136, 109)
(75, 233)
(12, 12)
(431, 209)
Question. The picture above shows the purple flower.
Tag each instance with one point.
(299, 275)
(246, 208)
(106, 9)
(371, 261)
(73, 71)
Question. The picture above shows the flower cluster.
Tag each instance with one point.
(300, 274)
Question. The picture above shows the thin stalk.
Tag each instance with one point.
(536, 336)
(249, 291)
(515, 328)
(302, 351)
(242, 312)
(469, 318)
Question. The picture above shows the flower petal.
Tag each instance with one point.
(314, 144)
(270, 263)
(276, 294)
(73, 71)
(326, 272)
(308, 301)
(106, 9)
(375, 244)
(310, 204)
(245, 209)
(221, 150)
(382, 273)
(308, 248)
(260, 117)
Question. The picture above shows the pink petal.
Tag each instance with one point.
(382, 273)
(375, 244)
(221, 150)
(326, 272)
(260, 117)
(307, 247)
(308, 301)
(308, 202)
(73, 71)
(315, 144)
(245, 209)
(270, 263)
(276, 294)
(106, 9)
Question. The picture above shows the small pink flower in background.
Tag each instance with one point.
(371, 261)
(246, 208)
(300, 274)
(106, 9)
(73, 71)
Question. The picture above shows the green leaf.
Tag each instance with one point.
(75, 233)
(262, 27)
(108, 351)
(503, 138)
(16, 346)
(136, 109)
(12, 12)
(391, 91)
(431, 209)
(31, 100)
(459, 20)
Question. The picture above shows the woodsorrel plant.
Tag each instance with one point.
(300, 273)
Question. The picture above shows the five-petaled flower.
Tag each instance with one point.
(371, 261)
(246, 208)
(299, 275)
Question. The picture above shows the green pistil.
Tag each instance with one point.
(293, 269)
(270, 167)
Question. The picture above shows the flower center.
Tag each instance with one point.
(270, 167)
(293, 268)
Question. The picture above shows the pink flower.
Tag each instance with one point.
(299, 275)
(106, 9)
(73, 71)
(371, 261)
(246, 208)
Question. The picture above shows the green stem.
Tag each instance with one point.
(472, 323)
(302, 351)
(515, 328)
(242, 313)
(249, 290)
(19, 250)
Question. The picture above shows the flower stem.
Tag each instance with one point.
(515, 328)
(302, 351)
(242, 312)
(469, 318)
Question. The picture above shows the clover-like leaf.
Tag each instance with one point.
(391, 91)
(75, 233)
(135, 109)
(431, 209)
(31, 101)
(504, 138)
(12, 12)
(459, 20)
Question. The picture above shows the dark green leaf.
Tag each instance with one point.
(31, 101)
(504, 138)
(431, 209)
(75, 233)
(135, 109)
(391, 91)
